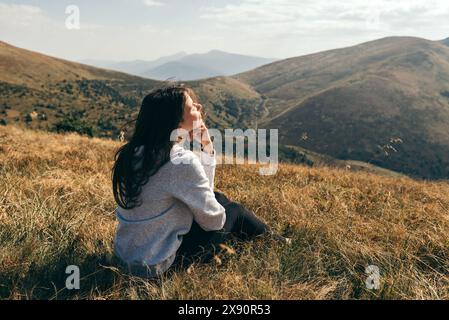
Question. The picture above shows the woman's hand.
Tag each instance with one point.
(205, 139)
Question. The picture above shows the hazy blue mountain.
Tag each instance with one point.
(183, 66)
(135, 67)
(177, 70)
(99, 63)
(206, 65)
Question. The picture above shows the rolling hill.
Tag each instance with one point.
(52, 89)
(385, 102)
(26, 68)
(57, 209)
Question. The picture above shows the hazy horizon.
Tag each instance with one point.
(168, 55)
(148, 29)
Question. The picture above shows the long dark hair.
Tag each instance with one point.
(161, 112)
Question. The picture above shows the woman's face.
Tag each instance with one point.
(192, 113)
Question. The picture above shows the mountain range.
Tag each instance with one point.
(184, 67)
(384, 102)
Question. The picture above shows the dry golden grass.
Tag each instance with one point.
(56, 209)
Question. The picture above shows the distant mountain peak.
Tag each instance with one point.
(218, 51)
(205, 65)
(185, 66)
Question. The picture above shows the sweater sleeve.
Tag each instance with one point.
(190, 184)
(209, 163)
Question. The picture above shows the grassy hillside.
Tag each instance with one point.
(38, 91)
(54, 89)
(228, 102)
(385, 102)
(46, 93)
(56, 209)
(352, 103)
(32, 69)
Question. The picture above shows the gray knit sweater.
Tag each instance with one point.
(180, 192)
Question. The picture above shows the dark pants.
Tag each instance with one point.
(241, 224)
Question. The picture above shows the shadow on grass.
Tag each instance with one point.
(102, 276)
(48, 280)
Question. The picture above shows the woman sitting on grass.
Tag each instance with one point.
(166, 205)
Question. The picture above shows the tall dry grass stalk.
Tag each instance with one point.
(56, 209)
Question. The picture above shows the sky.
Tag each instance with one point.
(121, 30)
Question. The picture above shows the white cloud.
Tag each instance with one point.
(271, 28)
(291, 27)
(153, 3)
(30, 27)
(317, 15)
(20, 15)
